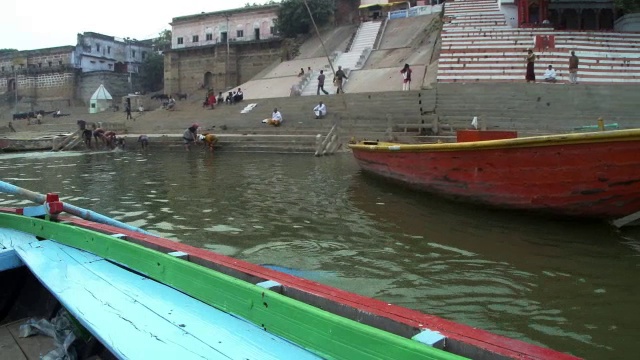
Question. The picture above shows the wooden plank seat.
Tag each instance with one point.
(138, 318)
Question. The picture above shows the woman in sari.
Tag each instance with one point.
(531, 60)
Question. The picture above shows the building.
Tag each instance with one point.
(219, 50)
(563, 14)
(47, 73)
(97, 52)
(242, 24)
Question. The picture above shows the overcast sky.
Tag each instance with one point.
(35, 24)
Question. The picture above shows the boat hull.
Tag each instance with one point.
(595, 175)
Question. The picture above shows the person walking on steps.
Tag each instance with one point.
(321, 78)
(573, 68)
(338, 80)
(406, 77)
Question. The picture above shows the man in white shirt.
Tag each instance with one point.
(320, 110)
(276, 118)
(550, 74)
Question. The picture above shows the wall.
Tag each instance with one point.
(97, 52)
(628, 23)
(116, 84)
(185, 69)
(415, 11)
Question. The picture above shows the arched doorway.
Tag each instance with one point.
(589, 19)
(534, 13)
(208, 80)
(11, 85)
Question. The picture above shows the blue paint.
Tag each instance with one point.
(138, 318)
(9, 260)
(269, 284)
(430, 337)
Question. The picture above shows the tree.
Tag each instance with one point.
(152, 72)
(628, 6)
(293, 17)
(163, 41)
(7, 51)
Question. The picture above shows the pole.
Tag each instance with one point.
(326, 53)
(226, 77)
(15, 89)
(71, 209)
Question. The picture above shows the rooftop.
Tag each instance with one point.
(203, 15)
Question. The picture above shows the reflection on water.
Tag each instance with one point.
(568, 285)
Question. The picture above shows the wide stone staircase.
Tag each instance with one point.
(362, 45)
(537, 108)
(479, 46)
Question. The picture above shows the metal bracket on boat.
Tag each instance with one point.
(52, 206)
(431, 338)
(271, 285)
(179, 254)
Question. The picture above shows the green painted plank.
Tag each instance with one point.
(327, 334)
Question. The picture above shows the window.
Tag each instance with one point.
(39, 65)
(180, 41)
(240, 33)
(2, 69)
(272, 30)
(144, 55)
(60, 62)
(98, 47)
(108, 49)
(209, 37)
(133, 53)
(195, 38)
(13, 67)
(50, 63)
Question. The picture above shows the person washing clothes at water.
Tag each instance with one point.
(190, 136)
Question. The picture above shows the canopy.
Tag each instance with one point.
(101, 94)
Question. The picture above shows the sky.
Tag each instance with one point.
(36, 24)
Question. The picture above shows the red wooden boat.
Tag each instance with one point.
(592, 175)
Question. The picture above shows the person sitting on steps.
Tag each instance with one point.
(320, 110)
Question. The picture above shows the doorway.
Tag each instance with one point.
(208, 80)
(223, 37)
(257, 33)
(11, 85)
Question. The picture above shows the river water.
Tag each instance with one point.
(568, 285)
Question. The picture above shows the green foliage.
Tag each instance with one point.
(628, 6)
(293, 17)
(152, 72)
(163, 41)
(7, 51)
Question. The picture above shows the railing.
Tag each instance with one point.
(376, 44)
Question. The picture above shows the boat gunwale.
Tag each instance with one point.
(512, 143)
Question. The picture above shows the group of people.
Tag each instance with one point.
(340, 76)
(320, 111)
(210, 100)
(550, 74)
(191, 137)
(109, 139)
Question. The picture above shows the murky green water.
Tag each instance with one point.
(572, 286)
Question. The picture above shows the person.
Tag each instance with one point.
(531, 60)
(190, 136)
(573, 68)
(209, 139)
(86, 135)
(143, 140)
(276, 118)
(120, 142)
(98, 134)
(229, 99)
(308, 68)
(81, 124)
(301, 73)
(321, 78)
(110, 139)
(220, 98)
(550, 74)
(141, 109)
(39, 118)
(320, 110)
(238, 96)
(406, 77)
(171, 104)
(128, 111)
(338, 79)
